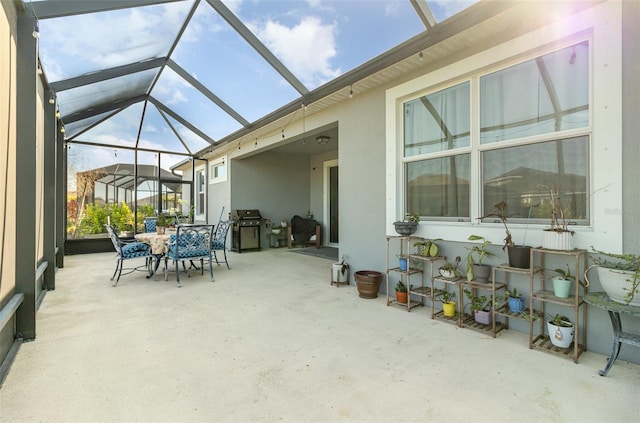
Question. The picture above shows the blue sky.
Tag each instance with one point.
(317, 40)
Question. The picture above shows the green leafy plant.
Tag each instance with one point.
(430, 247)
(446, 297)
(412, 217)
(512, 293)
(566, 275)
(477, 253)
(561, 321)
(478, 302)
(401, 287)
(162, 220)
(626, 262)
(451, 267)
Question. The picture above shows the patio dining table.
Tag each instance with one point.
(158, 243)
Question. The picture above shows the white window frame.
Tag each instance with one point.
(605, 179)
(197, 189)
(217, 163)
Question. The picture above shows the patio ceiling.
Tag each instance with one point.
(183, 76)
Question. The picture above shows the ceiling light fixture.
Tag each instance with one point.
(58, 114)
(52, 100)
(62, 129)
(322, 139)
(36, 30)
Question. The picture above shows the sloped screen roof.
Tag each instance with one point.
(178, 76)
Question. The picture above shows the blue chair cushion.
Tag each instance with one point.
(135, 249)
(187, 247)
(217, 245)
(150, 225)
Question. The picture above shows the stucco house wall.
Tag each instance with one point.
(370, 172)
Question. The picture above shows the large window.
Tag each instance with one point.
(532, 136)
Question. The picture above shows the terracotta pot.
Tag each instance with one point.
(402, 297)
(368, 283)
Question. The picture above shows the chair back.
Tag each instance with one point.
(114, 238)
(191, 241)
(150, 224)
(220, 236)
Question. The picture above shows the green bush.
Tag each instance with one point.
(96, 216)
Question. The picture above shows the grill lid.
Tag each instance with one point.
(246, 214)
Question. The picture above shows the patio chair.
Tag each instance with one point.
(219, 242)
(150, 224)
(304, 232)
(190, 243)
(128, 251)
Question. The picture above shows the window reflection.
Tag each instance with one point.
(544, 95)
(439, 187)
(524, 184)
(438, 121)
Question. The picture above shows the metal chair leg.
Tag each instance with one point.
(178, 273)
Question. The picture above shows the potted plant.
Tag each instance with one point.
(368, 283)
(560, 331)
(450, 270)
(402, 295)
(562, 282)
(161, 224)
(448, 305)
(620, 277)
(475, 268)
(340, 272)
(557, 236)
(515, 301)
(407, 226)
(519, 255)
(480, 307)
(427, 247)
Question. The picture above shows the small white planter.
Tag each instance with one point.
(449, 274)
(337, 274)
(560, 336)
(553, 240)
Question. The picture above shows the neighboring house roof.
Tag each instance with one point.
(122, 175)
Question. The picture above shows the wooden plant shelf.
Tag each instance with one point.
(572, 352)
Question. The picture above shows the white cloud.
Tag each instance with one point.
(306, 48)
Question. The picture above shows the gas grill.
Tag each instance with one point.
(245, 234)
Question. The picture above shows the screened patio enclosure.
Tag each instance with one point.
(150, 84)
(144, 189)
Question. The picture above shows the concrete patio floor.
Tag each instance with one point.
(272, 340)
